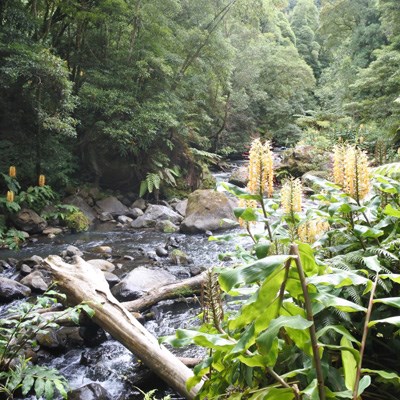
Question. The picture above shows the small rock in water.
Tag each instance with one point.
(208, 233)
(73, 251)
(35, 281)
(91, 391)
(139, 203)
(52, 231)
(11, 290)
(123, 219)
(102, 249)
(111, 278)
(161, 251)
(104, 265)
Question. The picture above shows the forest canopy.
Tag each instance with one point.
(108, 91)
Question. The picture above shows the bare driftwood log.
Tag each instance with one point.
(83, 282)
(171, 291)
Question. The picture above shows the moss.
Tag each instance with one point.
(77, 221)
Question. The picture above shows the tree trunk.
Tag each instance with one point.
(171, 291)
(82, 282)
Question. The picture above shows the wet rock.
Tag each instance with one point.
(73, 251)
(70, 336)
(206, 210)
(91, 391)
(29, 221)
(104, 265)
(11, 290)
(140, 281)
(179, 257)
(105, 217)
(50, 340)
(155, 213)
(173, 241)
(83, 205)
(102, 249)
(161, 251)
(134, 212)
(111, 278)
(5, 264)
(112, 206)
(35, 281)
(25, 269)
(139, 203)
(123, 219)
(239, 176)
(196, 269)
(180, 207)
(166, 226)
(92, 334)
(52, 231)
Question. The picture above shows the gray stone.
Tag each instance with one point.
(139, 203)
(161, 251)
(111, 205)
(123, 219)
(179, 257)
(79, 202)
(50, 339)
(35, 281)
(73, 251)
(11, 290)
(205, 212)
(140, 281)
(181, 206)
(29, 221)
(239, 176)
(25, 269)
(52, 231)
(91, 391)
(111, 278)
(167, 226)
(104, 265)
(155, 213)
(102, 249)
(105, 217)
(134, 212)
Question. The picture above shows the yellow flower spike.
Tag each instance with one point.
(10, 196)
(311, 230)
(42, 180)
(12, 172)
(339, 154)
(246, 204)
(291, 194)
(261, 173)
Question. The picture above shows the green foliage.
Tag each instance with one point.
(18, 333)
(306, 314)
(77, 221)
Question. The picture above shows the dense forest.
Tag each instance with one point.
(110, 92)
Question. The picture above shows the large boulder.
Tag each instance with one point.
(83, 205)
(29, 221)
(111, 205)
(140, 281)
(206, 210)
(11, 290)
(155, 213)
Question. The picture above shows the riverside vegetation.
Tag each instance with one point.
(316, 294)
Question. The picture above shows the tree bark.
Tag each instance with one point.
(171, 291)
(82, 282)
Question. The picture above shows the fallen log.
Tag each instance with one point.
(171, 291)
(83, 282)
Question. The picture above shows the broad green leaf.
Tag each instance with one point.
(216, 341)
(247, 214)
(339, 278)
(391, 301)
(88, 310)
(247, 338)
(311, 391)
(392, 212)
(61, 386)
(339, 329)
(49, 390)
(27, 384)
(349, 364)
(267, 342)
(307, 259)
(365, 381)
(273, 394)
(384, 376)
(353, 351)
(372, 263)
(347, 394)
(262, 249)
(367, 232)
(257, 360)
(39, 387)
(255, 272)
(329, 300)
(391, 320)
(240, 193)
(392, 277)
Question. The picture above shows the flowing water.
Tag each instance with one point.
(110, 364)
